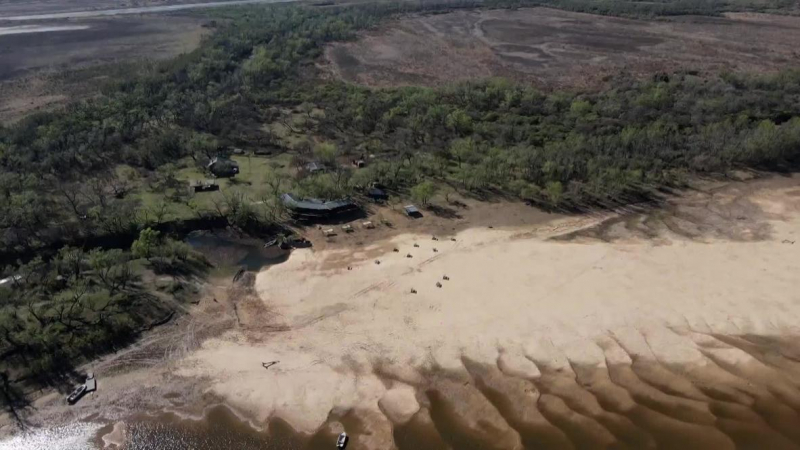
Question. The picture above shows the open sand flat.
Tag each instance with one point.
(601, 337)
(557, 49)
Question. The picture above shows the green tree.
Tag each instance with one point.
(326, 152)
(147, 244)
(580, 108)
(460, 122)
(71, 261)
(423, 192)
(555, 192)
(463, 150)
(263, 67)
(112, 267)
(202, 147)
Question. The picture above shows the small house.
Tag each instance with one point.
(223, 168)
(314, 167)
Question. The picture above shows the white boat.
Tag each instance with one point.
(78, 393)
(342, 441)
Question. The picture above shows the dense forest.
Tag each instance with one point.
(79, 304)
(104, 172)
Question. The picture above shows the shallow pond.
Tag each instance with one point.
(226, 250)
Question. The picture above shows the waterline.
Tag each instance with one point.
(140, 10)
(25, 29)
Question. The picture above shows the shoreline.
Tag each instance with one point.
(575, 331)
(134, 10)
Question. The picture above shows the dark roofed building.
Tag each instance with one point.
(314, 167)
(223, 167)
(312, 208)
(377, 194)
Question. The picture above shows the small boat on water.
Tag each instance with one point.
(76, 394)
(342, 441)
(89, 386)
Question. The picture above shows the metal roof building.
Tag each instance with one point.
(316, 208)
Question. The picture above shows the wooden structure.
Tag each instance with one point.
(203, 185)
(91, 382)
(314, 167)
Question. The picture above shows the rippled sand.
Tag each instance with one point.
(670, 329)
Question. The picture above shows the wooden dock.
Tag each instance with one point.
(91, 383)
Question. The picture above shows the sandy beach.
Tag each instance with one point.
(577, 341)
(664, 328)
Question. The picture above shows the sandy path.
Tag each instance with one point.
(531, 341)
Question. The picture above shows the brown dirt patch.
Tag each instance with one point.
(46, 70)
(442, 219)
(555, 49)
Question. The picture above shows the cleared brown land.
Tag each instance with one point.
(20, 7)
(103, 40)
(44, 70)
(561, 49)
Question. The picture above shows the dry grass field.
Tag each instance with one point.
(47, 69)
(561, 49)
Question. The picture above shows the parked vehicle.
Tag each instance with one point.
(342, 441)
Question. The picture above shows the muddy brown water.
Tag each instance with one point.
(224, 249)
(437, 428)
(552, 411)
(219, 429)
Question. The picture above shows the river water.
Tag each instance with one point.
(139, 10)
(68, 437)
(27, 29)
(218, 429)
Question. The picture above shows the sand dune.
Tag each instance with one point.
(574, 334)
